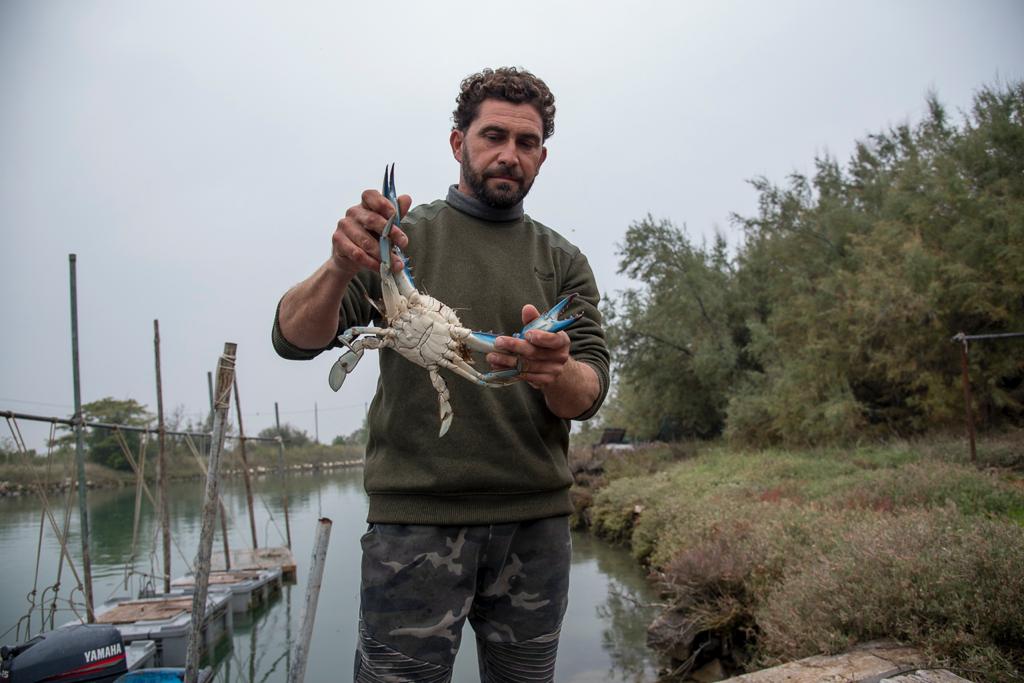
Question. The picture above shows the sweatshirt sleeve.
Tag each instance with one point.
(587, 334)
(355, 310)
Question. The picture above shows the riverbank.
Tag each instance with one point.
(20, 476)
(771, 556)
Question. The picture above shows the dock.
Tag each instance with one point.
(250, 589)
(260, 558)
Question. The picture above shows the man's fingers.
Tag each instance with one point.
(548, 340)
(530, 313)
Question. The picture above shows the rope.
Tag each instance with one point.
(45, 515)
(131, 461)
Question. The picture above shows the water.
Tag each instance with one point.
(602, 635)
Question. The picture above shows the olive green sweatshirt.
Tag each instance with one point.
(504, 459)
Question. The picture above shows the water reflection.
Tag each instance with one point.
(602, 637)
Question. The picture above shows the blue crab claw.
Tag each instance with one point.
(552, 321)
(388, 189)
(341, 368)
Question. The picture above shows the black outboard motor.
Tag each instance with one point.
(82, 652)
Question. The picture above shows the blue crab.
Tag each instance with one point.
(426, 331)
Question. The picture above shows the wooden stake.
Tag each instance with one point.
(245, 466)
(163, 509)
(222, 402)
(284, 474)
(83, 507)
(297, 672)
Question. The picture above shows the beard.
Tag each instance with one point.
(503, 195)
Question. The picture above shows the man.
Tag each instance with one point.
(474, 524)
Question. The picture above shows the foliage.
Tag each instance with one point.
(291, 435)
(102, 443)
(778, 554)
(832, 320)
(356, 438)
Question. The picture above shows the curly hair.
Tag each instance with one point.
(507, 83)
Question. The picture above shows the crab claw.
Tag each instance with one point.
(341, 368)
(552, 321)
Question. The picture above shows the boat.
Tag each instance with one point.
(167, 620)
(75, 653)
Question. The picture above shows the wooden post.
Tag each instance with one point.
(225, 378)
(284, 474)
(968, 400)
(209, 387)
(297, 672)
(163, 509)
(83, 507)
(245, 467)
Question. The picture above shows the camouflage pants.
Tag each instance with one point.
(421, 583)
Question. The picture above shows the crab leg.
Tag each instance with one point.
(347, 362)
(444, 405)
(500, 378)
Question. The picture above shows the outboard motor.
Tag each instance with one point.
(73, 654)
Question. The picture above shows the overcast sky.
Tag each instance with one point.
(197, 155)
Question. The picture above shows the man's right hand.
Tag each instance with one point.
(309, 311)
(356, 240)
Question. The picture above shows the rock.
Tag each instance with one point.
(874, 662)
(672, 635)
(710, 673)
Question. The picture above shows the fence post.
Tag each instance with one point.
(968, 399)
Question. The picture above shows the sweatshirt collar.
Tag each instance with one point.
(476, 208)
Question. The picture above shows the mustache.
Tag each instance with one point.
(504, 172)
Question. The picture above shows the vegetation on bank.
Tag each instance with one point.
(770, 556)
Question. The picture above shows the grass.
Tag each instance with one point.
(775, 555)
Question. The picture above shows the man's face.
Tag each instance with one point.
(500, 153)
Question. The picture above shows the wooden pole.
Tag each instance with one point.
(225, 378)
(968, 401)
(300, 653)
(163, 509)
(83, 507)
(284, 474)
(245, 467)
(209, 387)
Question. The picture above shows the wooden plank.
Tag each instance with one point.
(146, 610)
(260, 558)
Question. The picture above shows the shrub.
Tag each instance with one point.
(949, 583)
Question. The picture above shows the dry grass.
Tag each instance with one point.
(776, 555)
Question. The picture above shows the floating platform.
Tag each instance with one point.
(164, 675)
(260, 558)
(249, 588)
(167, 620)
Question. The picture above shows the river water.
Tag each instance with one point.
(602, 635)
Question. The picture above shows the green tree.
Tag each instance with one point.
(834, 318)
(101, 442)
(292, 436)
(675, 338)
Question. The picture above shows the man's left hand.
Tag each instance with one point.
(540, 356)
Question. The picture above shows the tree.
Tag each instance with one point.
(291, 435)
(674, 338)
(833, 320)
(101, 442)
